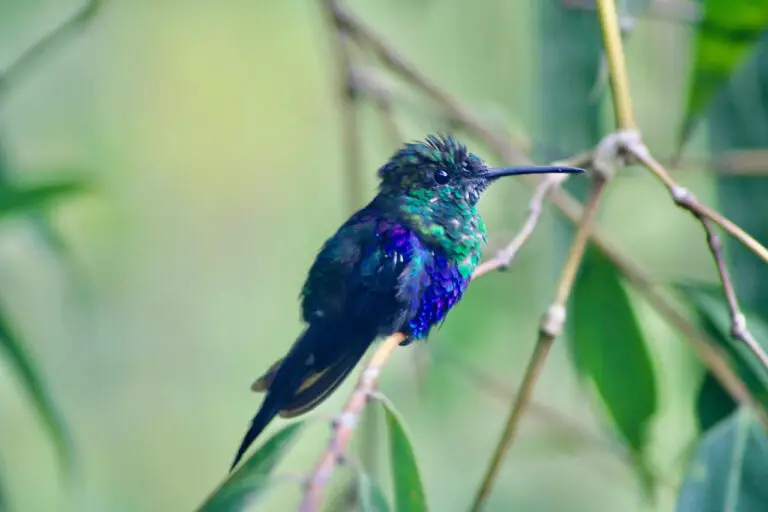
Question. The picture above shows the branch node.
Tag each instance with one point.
(739, 327)
(346, 420)
(610, 154)
(681, 195)
(553, 321)
(370, 374)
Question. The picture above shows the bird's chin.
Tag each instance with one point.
(475, 190)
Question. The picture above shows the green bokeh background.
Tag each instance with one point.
(211, 130)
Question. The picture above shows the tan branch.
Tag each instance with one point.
(551, 327)
(349, 109)
(505, 256)
(685, 199)
(345, 424)
(739, 328)
(617, 66)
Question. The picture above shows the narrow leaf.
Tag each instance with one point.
(409, 492)
(32, 383)
(248, 484)
(609, 350)
(370, 496)
(728, 32)
(18, 199)
(730, 468)
(713, 315)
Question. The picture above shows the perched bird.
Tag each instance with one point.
(397, 265)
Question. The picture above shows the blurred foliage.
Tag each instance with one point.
(33, 384)
(214, 130)
(370, 495)
(607, 352)
(725, 37)
(729, 470)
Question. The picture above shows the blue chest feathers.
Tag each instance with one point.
(429, 284)
(445, 288)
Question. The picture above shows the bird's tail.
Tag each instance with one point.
(316, 365)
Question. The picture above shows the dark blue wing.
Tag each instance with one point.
(372, 271)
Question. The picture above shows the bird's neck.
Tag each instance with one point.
(454, 228)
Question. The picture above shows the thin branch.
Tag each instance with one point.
(676, 11)
(368, 84)
(505, 256)
(739, 328)
(617, 66)
(349, 109)
(345, 424)
(14, 73)
(454, 110)
(685, 199)
(497, 388)
(551, 327)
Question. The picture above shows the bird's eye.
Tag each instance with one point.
(441, 177)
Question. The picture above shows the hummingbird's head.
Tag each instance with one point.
(440, 169)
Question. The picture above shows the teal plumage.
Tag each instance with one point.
(398, 264)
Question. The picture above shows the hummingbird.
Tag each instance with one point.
(398, 264)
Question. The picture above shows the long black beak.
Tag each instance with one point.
(492, 174)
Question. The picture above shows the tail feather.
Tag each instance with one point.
(319, 386)
(316, 365)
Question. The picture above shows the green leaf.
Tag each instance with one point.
(713, 315)
(33, 384)
(370, 496)
(713, 403)
(729, 471)
(248, 484)
(608, 349)
(19, 199)
(409, 492)
(728, 32)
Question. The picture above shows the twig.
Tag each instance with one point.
(505, 256)
(368, 84)
(739, 328)
(678, 11)
(617, 66)
(349, 117)
(685, 199)
(345, 424)
(551, 327)
(454, 110)
(494, 386)
(15, 71)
